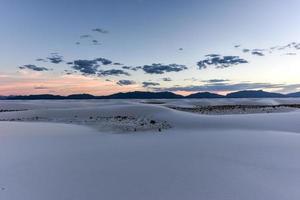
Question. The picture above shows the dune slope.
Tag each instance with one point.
(199, 157)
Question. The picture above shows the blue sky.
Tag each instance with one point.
(143, 32)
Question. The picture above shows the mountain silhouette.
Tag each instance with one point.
(254, 94)
(156, 95)
(81, 96)
(201, 95)
(35, 97)
(296, 94)
(144, 95)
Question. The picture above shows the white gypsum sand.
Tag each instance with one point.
(218, 157)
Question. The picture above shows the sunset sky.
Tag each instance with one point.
(107, 46)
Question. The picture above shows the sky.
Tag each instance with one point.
(107, 46)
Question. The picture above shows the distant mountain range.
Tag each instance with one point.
(204, 95)
(296, 94)
(144, 95)
(254, 94)
(156, 95)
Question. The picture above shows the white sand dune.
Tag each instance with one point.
(247, 157)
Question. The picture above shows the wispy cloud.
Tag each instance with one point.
(293, 46)
(85, 36)
(167, 79)
(34, 68)
(215, 87)
(216, 81)
(41, 88)
(257, 53)
(218, 61)
(289, 88)
(147, 84)
(96, 42)
(113, 72)
(289, 54)
(100, 30)
(41, 60)
(125, 82)
(131, 68)
(191, 79)
(104, 61)
(158, 68)
(55, 58)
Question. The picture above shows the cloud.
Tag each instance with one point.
(167, 79)
(297, 46)
(117, 63)
(191, 79)
(289, 88)
(126, 67)
(34, 68)
(87, 67)
(147, 84)
(216, 81)
(85, 36)
(113, 72)
(104, 61)
(257, 53)
(290, 54)
(263, 52)
(125, 82)
(215, 87)
(91, 67)
(69, 72)
(41, 60)
(161, 68)
(77, 43)
(212, 55)
(292, 45)
(100, 30)
(41, 88)
(55, 58)
(95, 42)
(131, 68)
(219, 61)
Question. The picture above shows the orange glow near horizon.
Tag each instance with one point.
(26, 83)
(61, 85)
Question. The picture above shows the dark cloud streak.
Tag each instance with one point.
(219, 61)
(55, 58)
(147, 84)
(34, 68)
(125, 82)
(100, 30)
(158, 68)
(112, 72)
